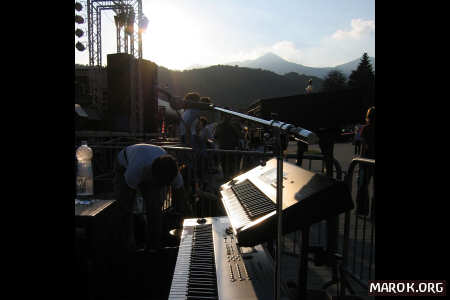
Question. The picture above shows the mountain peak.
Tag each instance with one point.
(272, 62)
(270, 56)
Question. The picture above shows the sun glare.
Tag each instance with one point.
(172, 39)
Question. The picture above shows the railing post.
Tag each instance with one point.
(346, 243)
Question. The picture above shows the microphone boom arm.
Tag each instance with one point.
(304, 135)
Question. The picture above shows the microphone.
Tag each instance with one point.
(300, 133)
(304, 135)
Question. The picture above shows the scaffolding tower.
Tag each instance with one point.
(130, 23)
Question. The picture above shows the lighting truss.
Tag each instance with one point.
(131, 41)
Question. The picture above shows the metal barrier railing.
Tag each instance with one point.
(337, 169)
(317, 236)
(189, 161)
(203, 172)
(358, 262)
(359, 242)
(233, 162)
(356, 230)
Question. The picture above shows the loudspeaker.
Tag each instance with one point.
(120, 76)
(149, 76)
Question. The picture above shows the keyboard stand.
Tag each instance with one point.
(303, 267)
(277, 128)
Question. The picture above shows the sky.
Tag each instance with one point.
(186, 33)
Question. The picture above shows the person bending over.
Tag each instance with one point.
(149, 169)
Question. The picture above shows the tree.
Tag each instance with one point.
(334, 81)
(363, 78)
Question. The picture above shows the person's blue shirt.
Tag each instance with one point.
(188, 117)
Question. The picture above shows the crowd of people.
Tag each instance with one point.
(201, 129)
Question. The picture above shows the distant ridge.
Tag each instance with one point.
(235, 87)
(238, 84)
(276, 64)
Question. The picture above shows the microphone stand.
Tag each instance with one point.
(278, 151)
(305, 136)
(278, 127)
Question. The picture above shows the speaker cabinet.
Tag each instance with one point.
(149, 76)
(120, 75)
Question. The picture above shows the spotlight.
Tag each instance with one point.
(80, 46)
(144, 24)
(78, 6)
(79, 32)
(79, 19)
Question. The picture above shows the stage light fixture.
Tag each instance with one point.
(80, 46)
(144, 24)
(79, 32)
(79, 19)
(78, 6)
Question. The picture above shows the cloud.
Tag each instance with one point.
(360, 28)
(340, 47)
(286, 50)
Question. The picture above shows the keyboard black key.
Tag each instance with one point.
(254, 202)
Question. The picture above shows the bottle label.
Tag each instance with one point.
(84, 186)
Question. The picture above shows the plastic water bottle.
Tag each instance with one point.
(85, 179)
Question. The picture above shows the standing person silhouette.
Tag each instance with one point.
(189, 116)
(201, 137)
(303, 147)
(357, 139)
(227, 137)
(366, 172)
(368, 135)
(309, 87)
